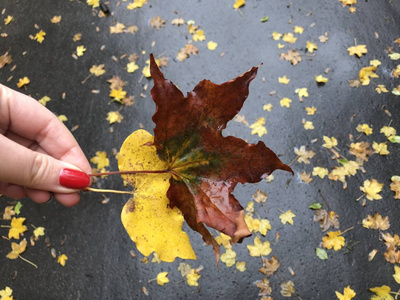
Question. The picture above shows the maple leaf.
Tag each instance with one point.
(395, 186)
(366, 73)
(8, 213)
(308, 125)
(204, 166)
(162, 278)
(287, 217)
(136, 4)
(192, 278)
(263, 285)
(80, 50)
(276, 36)
(302, 93)
(17, 228)
(117, 95)
(311, 110)
(239, 3)
(358, 50)
(289, 38)
(61, 259)
(6, 294)
(376, 222)
(326, 219)
(361, 150)
(270, 266)
(17, 249)
(199, 35)
(381, 293)
(44, 100)
(224, 240)
(229, 257)
(157, 22)
(258, 127)
(241, 266)
(186, 51)
(348, 294)
(333, 240)
(212, 45)
(268, 107)
(100, 160)
(259, 248)
(372, 188)
(292, 55)
(117, 28)
(330, 142)
(260, 196)
(319, 171)
(39, 231)
(285, 102)
(287, 289)
(388, 131)
(304, 155)
(5, 59)
(23, 81)
(8, 20)
(321, 79)
(93, 3)
(178, 21)
(396, 275)
(298, 29)
(380, 148)
(39, 37)
(305, 177)
(97, 70)
(364, 128)
(55, 19)
(311, 47)
(114, 116)
(116, 83)
(283, 79)
(381, 88)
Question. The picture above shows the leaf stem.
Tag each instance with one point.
(294, 160)
(28, 261)
(359, 198)
(129, 172)
(5, 226)
(107, 191)
(348, 229)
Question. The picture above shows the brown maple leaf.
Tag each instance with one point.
(116, 83)
(206, 166)
(361, 150)
(263, 285)
(270, 266)
(292, 55)
(326, 219)
(5, 59)
(157, 22)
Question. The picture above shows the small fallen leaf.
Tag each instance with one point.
(100, 160)
(380, 148)
(376, 222)
(17, 228)
(381, 293)
(17, 249)
(311, 47)
(304, 155)
(372, 188)
(162, 278)
(319, 171)
(39, 231)
(396, 274)
(62, 259)
(334, 240)
(289, 38)
(364, 128)
(93, 3)
(321, 253)
(258, 127)
(55, 19)
(39, 37)
(315, 205)
(239, 3)
(321, 79)
(298, 29)
(394, 56)
(264, 19)
(348, 294)
(358, 50)
(285, 102)
(270, 266)
(97, 70)
(241, 266)
(330, 142)
(265, 288)
(259, 248)
(287, 289)
(283, 80)
(192, 278)
(8, 20)
(395, 186)
(229, 257)
(287, 217)
(212, 45)
(80, 50)
(23, 81)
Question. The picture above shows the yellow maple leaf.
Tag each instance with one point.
(229, 257)
(303, 154)
(287, 217)
(23, 81)
(192, 278)
(366, 73)
(380, 148)
(239, 3)
(289, 38)
(62, 118)
(395, 186)
(348, 294)
(224, 240)
(375, 63)
(17, 228)
(388, 131)
(100, 160)
(44, 100)
(55, 19)
(303, 92)
(199, 35)
(364, 128)
(381, 293)
(287, 289)
(396, 274)
(117, 95)
(333, 240)
(283, 79)
(97, 70)
(8, 20)
(93, 3)
(268, 107)
(162, 278)
(80, 50)
(39, 37)
(376, 222)
(311, 47)
(260, 196)
(308, 125)
(6, 294)
(259, 248)
(212, 45)
(372, 189)
(258, 127)
(61, 259)
(277, 36)
(298, 29)
(330, 142)
(305, 177)
(136, 4)
(285, 102)
(17, 249)
(241, 266)
(321, 79)
(381, 88)
(351, 167)
(311, 110)
(358, 50)
(131, 67)
(147, 217)
(319, 171)
(39, 231)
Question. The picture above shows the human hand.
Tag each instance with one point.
(39, 155)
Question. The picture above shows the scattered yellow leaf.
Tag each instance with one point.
(100, 160)
(97, 70)
(117, 95)
(136, 4)
(39, 231)
(17, 249)
(311, 110)
(305, 177)
(276, 36)
(8, 20)
(380, 148)
(239, 3)
(333, 240)
(114, 116)
(289, 38)
(311, 47)
(396, 274)
(229, 257)
(39, 37)
(192, 278)
(298, 29)
(381, 293)
(80, 50)
(224, 240)
(17, 228)
(131, 67)
(388, 131)
(212, 45)
(330, 142)
(61, 259)
(283, 80)
(62, 118)
(287, 289)
(6, 294)
(259, 248)
(375, 63)
(364, 128)
(258, 127)
(55, 19)
(321, 79)
(395, 186)
(199, 35)
(23, 81)
(376, 222)
(304, 155)
(372, 189)
(381, 88)
(285, 102)
(287, 217)
(358, 50)
(241, 266)
(348, 294)
(162, 278)
(44, 100)
(93, 3)
(366, 73)
(319, 171)
(303, 92)
(268, 107)
(308, 125)
(260, 196)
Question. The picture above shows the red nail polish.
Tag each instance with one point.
(74, 179)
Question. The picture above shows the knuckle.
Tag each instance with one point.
(39, 170)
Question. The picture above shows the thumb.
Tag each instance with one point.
(24, 167)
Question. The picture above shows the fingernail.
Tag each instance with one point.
(74, 179)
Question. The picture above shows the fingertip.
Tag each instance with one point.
(12, 190)
(68, 200)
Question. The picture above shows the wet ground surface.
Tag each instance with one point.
(99, 264)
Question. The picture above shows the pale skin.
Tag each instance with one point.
(34, 148)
